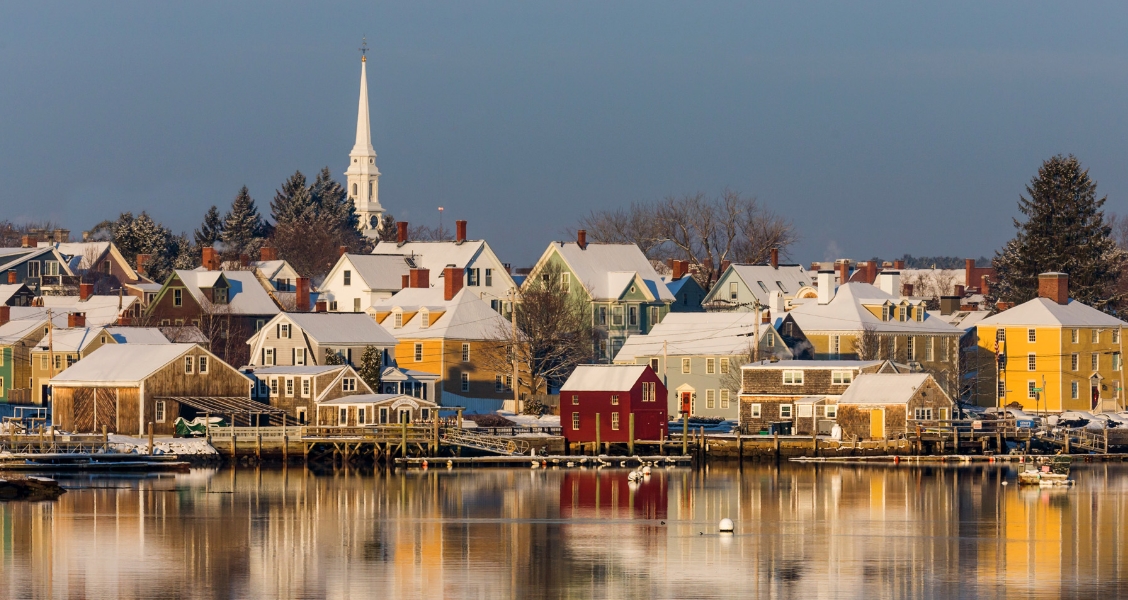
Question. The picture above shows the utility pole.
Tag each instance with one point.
(51, 359)
(513, 353)
(756, 338)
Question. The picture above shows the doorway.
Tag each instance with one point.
(877, 423)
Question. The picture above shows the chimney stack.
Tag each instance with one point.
(12, 276)
(29, 241)
(268, 253)
(889, 281)
(775, 258)
(969, 272)
(5, 314)
(460, 231)
(405, 282)
(899, 265)
(581, 239)
(244, 260)
(452, 282)
(959, 291)
(871, 272)
(401, 232)
(949, 305)
(843, 272)
(301, 297)
(419, 278)
(143, 262)
(1001, 306)
(1054, 286)
(76, 319)
(907, 290)
(210, 258)
(85, 290)
(342, 250)
(826, 286)
(680, 269)
(320, 306)
(724, 266)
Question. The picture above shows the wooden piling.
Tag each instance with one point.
(739, 447)
(105, 437)
(685, 434)
(630, 433)
(150, 438)
(775, 445)
(403, 445)
(258, 446)
(595, 450)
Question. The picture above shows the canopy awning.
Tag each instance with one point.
(239, 408)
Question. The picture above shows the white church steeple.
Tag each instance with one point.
(362, 174)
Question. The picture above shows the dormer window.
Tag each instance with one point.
(919, 312)
(220, 295)
(885, 312)
(902, 313)
(424, 318)
(397, 318)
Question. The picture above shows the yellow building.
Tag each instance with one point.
(61, 349)
(1051, 354)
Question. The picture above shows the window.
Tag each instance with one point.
(397, 319)
(724, 398)
(360, 416)
(1074, 335)
(654, 365)
(1031, 362)
(1096, 336)
(33, 269)
(203, 365)
(565, 282)
(614, 399)
(258, 324)
(806, 411)
(902, 313)
(841, 377)
(918, 313)
(498, 385)
(472, 277)
(763, 287)
(910, 347)
(1095, 359)
(348, 277)
(788, 329)
(343, 417)
(418, 352)
(649, 391)
(219, 295)
(733, 291)
(1002, 389)
(178, 297)
(268, 356)
(1031, 336)
(1001, 334)
(710, 398)
(575, 421)
(724, 366)
(305, 387)
(189, 364)
(356, 304)
(831, 411)
(754, 411)
(273, 386)
(785, 411)
(710, 366)
(465, 352)
(922, 414)
(465, 377)
(425, 414)
(771, 340)
(348, 384)
(835, 345)
(632, 316)
(885, 313)
(602, 315)
(654, 315)
(51, 267)
(1031, 388)
(284, 330)
(1116, 336)
(575, 400)
(424, 318)
(159, 411)
(300, 356)
(1074, 390)
(489, 279)
(928, 349)
(1074, 361)
(333, 306)
(289, 386)
(617, 315)
(685, 365)
(43, 362)
(779, 284)
(793, 377)
(58, 361)
(1115, 361)
(614, 421)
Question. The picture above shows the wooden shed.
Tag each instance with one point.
(602, 399)
(375, 409)
(881, 405)
(125, 386)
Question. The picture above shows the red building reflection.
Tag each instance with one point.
(608, 494)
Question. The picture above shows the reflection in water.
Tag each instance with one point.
(801, 531)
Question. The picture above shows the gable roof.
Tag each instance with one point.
(465, 317)
(606, 269)
(270, 269)
(435, 256)
(815, 364)
(883, 388)
(603, 378)
(100, 311)
(787, 280)
(676, 285)
(137, 335)
(378, 271)
(71, 339)
(27, 321)
(246, 296)
(847, 312)
(685, 334)
(121, 364)
(14, 256)
(8, 290)
(293, 370)
(1043, 311)
(341, 328)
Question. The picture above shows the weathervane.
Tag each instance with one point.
(363, 48)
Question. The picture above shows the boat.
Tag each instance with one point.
(1052, 474)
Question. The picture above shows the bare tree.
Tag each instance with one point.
(932, 284)
(868, 345)
(734, 379)
(423, 233)
(225, 331)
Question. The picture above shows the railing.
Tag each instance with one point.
(517, 430)
(250, 434)
(1078, 438)
(470, 438)
(415, 432)
(53, 444)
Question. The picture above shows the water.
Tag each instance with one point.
(801, 532)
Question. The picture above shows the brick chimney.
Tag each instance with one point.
(1054, 286)
(581, 239)
(724, 266)
(12, 276)
(5, 314)
(907, 290)
(342, 250)
(959, 292)
(244, 260)
(401, 232)
(124, 320)
(85, 291)
(268, 253)
(143, 262)
(460, 231)
(210, 258)
(301, 297)
(76, 319)
(29, 241)
(969, 272)
(419, 278)
(843, 272)
(985, 288)
(775, 258)
(406, 283)
(452, 282)
(899, 265)
(1001, 306)
(679, 268)
(871, 271)
(320, 306)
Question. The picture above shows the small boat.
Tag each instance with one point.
(1053, 474)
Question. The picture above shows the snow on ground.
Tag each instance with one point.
(161, 445)
(531, 421)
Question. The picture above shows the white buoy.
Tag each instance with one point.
(646, 470)
(1004, 483)
(726, 526)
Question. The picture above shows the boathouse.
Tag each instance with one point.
(885, 405)
(375, 409)
(298, 390)
(599, 403)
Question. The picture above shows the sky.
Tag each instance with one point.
(877, 128)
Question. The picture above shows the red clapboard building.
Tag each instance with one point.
(611, 393)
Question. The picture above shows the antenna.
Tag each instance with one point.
(363, 48)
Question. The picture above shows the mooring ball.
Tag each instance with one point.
(726, 526)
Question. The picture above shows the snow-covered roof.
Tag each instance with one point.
(184, 334)
(19, 255)
(72, 339)
(465, 317)
(847, 312)
(434, 256)
(100, 311)
(271, 269)
(294, 369)
(787, 280)
(120, 364)
(246, 296)
(883, 388)
(602, 378)
(26, 321)
(341, 328)
(401, 374)
(608, 269)
(8, 290)
(377, 399)
(137, 335)
(83, 253)
(816, 364)
(381, 271)
(692, 334)
(961, 319)
(1043, 311)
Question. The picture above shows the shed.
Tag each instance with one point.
(375, 409)
(598, 401)
(886, 405)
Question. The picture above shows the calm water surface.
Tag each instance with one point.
(802, 532)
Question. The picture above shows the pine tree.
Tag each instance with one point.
(293, 202)
(1065, 230)
(211, 230)
(333, 358)
(243, 227)
(371, 365)
(331, 200)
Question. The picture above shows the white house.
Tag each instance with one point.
(360, 281)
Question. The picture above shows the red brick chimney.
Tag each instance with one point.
(320, 306)
(143, 262)
(843, 272)
(210, 259)
(76, 319)
(29, 241)
(244, 260)
(301, 297)
(969, 272)
(460, 231)
(679, 268)
(1054, 286)
(342, 250)
(406, 282)
(85, 290)
(985, 288)
(12, 276)
(419, 278)
(268, 253)
(871, 272)
(124, 320)
(775, 258)
(452, 282)
(581, 238)
(907, 290)
(899, 265)
(5, 314)
(960, 291)
(1001, 306)
(401, 232)
(724, 266)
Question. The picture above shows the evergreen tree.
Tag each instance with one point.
(293, 202)
(1065, 230)
(333, 202)
(142, 235)
(371, 365)
(211, 230)
(243, 227)
(333, 358)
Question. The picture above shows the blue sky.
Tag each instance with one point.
(878, 128)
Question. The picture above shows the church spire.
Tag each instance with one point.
(363, 176)
(363, 128)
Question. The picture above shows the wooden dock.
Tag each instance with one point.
(545, 461)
